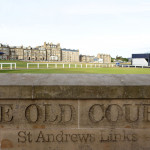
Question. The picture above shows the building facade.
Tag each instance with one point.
(49, 52)
(69, 55)
(53, 52)
(101, 58)
(105, 57)
(87, 58)
(6, 51)
(46, 52)
(16, 53)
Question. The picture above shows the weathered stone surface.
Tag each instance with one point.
(74, 92)
(41, 114)
(76, 79)
(75, 124)
(110, 113)
(113, 114)
(24, 86)
(76, 139)
(16, 92)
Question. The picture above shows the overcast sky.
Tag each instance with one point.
(115, 27)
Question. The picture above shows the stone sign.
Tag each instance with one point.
(75, 124)
(38, 120)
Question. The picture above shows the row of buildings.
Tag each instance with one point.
(48, 52)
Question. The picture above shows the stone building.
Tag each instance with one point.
(101, 58)
(49, 52)
(69, 55)
(46, 52)
(86, 58)
(53, 51)
(106, 57)
(16, 53)
(6, 51)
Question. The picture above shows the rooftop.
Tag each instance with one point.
(72, 50)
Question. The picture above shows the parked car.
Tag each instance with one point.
(118, 64)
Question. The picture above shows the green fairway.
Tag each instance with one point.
(21, 68)
(83, 71)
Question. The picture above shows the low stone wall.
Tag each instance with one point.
(77, 112)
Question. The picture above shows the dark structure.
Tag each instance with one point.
(1, 53)
(146, 56)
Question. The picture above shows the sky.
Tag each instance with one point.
(114, 27)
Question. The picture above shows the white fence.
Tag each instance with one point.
(11, 65)
(134, 66)
(62, 65)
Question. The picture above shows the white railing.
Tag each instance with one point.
(134, 66)
(55, 65)
(11, 65)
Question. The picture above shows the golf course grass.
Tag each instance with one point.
(21, 68)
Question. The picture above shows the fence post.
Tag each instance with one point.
(15, 65)
(122, 66)
(1, 66)
(75, 65)
(91, 65)
(27, 66)
(11, 66)
(55, 65)
(69, 65)
(47, 65)
(81, 65)
(95, 65)
(38, 65)
(86, 65)
(63, 66)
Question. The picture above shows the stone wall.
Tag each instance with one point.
(77, 112)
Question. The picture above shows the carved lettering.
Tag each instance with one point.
(24, 137)
(51, 137)
(6, 113)
(30, 116)
(41, 137)
(62, 137)
(67, 113)
(97, 108)
(113, 113)
(48, 114)
(106, 136)
(128, 112)
(147, 112)
(74, 137)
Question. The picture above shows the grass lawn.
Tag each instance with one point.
(21, 68)
(83, 71)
